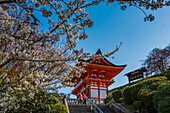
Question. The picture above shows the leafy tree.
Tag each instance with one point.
(158, 60)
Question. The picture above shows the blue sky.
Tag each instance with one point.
(112, 26)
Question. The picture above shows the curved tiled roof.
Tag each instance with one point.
(100, 53)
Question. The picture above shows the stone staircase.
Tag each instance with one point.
(79, 108)
(104, 108)
(75, 107)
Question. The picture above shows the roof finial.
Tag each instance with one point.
(98, 52)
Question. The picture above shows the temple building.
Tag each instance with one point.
(97, 78)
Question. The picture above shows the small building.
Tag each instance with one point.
(97, 78)
(137, 74)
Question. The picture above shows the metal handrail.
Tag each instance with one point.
(65, 101)
(92, 104)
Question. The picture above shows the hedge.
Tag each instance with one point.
(137, 105)
(151, 83)
(143, 91)
(162, 93)
(146, 96)
(166, 74)
(117, 95)
(127, 96)
(164, 105)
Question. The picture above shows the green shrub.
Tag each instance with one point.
(127, 95)
(150, 83)
(162, 93)
(145, 95)
(52, 100)
(36, 104)
(166, 74)
(137, 105)
(59, 108)
(135, 88)
(143, 91)
(146, 92)
(164, 105)
(121, 100)
(117, 95)
(42, 102)
(134, 92)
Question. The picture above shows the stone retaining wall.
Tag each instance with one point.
(117, 108)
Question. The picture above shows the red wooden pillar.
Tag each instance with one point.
(107, 90)
(99, 91)
(89, 89)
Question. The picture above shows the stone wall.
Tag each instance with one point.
(117, 108)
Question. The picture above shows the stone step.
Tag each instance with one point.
(79, 109)
(76, 108)
(105, 109)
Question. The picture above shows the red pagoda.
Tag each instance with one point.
(97, 78)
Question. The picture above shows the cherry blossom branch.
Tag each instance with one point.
(46, 60)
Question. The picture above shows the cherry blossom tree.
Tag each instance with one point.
(143, 4)
(32, 58)
(158, 60)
